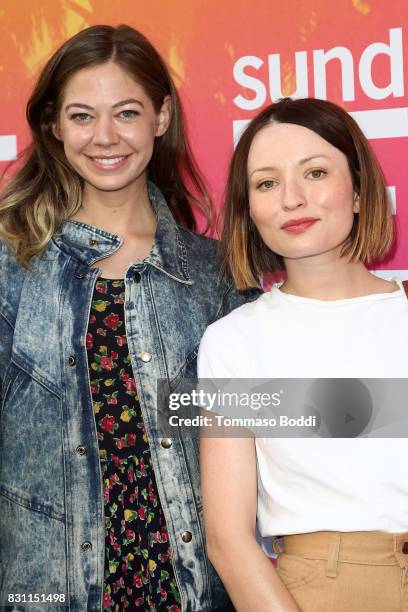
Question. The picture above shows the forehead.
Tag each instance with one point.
(282, 143)
(102, 82)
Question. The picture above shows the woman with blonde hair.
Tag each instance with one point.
(104, 289)
(306, 195)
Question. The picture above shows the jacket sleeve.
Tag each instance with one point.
(233, 298)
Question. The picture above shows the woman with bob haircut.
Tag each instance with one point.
(306, 195)
(104, 288)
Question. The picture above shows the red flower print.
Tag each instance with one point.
(106, 363)
(120, 443)
(156, 536)
(120, 340)
(112, 321)
(89, 341)
(107, 600)
(130, 534)
(164, 536)
(142, 467)
(92, 318)
(112, 400)
(116, 460)
(142, 514)
(124, 376)
(137, 581)
(139, 602)
(131, 439)
(100, 287)
(108, 423)
(94, 389)
(101, 332)
(130, 385)
(174, 608)
(163, 594)
(114, 355)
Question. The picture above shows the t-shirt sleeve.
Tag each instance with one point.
(215, 354)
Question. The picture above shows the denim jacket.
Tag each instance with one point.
(51, 503)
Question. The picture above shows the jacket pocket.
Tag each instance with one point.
(31, 462)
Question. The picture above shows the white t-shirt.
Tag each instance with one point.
(307, 485)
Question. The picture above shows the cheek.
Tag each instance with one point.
(74, 140)
(141, 135)
(262, 211)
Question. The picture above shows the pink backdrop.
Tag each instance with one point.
(230, 59)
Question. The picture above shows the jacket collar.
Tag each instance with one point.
(87, 243)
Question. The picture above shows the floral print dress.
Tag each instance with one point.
(138, 566)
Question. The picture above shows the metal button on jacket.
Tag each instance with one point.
(71, 360)
(146, 357)
(86, 546)
(80, 275)
(81, 450)
(166, 442)
(93, 242)
(187, 536)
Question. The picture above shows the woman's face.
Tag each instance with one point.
(108, 125)
(301, 194)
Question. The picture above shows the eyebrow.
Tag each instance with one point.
(121, 103)
(301, 162)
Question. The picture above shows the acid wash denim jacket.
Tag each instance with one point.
(51, 503)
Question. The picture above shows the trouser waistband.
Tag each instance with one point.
(365, 547)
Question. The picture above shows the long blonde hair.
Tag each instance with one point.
(46, 191)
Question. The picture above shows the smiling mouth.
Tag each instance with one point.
(109, 162)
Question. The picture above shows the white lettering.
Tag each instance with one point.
(395, 53)
(275, 79)
(249, 82)
(320, 59)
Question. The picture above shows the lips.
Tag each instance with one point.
(298, 225)
(109, 163)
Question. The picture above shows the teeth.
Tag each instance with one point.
(108, 162)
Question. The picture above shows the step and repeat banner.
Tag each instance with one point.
(229, 60)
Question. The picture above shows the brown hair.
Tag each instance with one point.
(46, 190)
(245, 255)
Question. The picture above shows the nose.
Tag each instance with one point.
(105, 134)
(293, 194)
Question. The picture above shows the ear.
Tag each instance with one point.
(356, 203)
(56, 130)
(163, 117)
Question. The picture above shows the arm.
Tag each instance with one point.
(229, 489)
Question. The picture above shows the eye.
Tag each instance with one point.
(128, 114)
(266, 185)
(317, 173)
(81, 117)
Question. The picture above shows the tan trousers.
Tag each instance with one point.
(329, 571)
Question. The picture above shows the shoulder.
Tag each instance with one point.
(237, 322)
(199, 246)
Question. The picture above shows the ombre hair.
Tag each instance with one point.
(46, 190)
(245, 256)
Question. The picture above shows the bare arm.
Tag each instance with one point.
(229, 487)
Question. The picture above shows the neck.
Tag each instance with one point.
(124, 213)
(331, 277)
